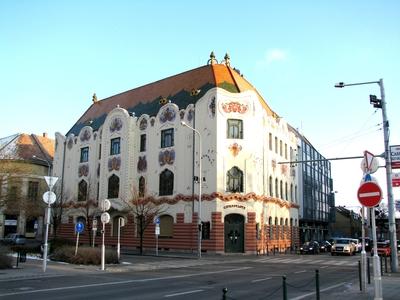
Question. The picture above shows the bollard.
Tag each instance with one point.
(386, 264)
(284, 287)
(317, 284)
(359, 274)
(368, 271)
(224, 291)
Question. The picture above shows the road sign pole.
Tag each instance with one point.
(363, 253)
(46, 238)
(376, 264)
(118, 242)
(103, 249)
(77, 243)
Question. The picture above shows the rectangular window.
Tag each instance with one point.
(142, 143)
(270, 141)
(276, 145)
(33, 188)
(84, 154)
(235, 129)
(280, 148)
(205, 230)
(167, 138)
(99, 151)
(115, 146)
(286, 151)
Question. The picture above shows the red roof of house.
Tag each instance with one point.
(177, 89)
(26, 147)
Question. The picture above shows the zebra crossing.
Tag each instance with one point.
(327, 261)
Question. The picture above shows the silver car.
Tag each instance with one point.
(343, 246)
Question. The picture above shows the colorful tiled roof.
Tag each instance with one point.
(26, 147)
(177, 89)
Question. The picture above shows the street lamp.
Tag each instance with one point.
(200, 180)
(47, 217)
(392, 224)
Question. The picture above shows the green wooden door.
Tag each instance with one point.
(234, 233)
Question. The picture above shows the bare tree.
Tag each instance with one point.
(144, 211)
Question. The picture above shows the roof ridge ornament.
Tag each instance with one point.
(227, 60)
(212, 60)
(94, 98)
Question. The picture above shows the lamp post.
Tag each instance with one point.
(200, 181)
(392, 224)
(47, 216)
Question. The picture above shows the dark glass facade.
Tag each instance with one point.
(318, 198)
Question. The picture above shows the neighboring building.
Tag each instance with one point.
(24, 160)
(347, 223)
(317, 202)
(133, 143)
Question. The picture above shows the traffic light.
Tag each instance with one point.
(375, 101)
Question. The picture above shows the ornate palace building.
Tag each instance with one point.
(134, 145)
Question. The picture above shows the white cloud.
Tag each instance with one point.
(271, 56)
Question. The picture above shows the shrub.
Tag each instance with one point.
(5, 258)
(56, 243)
(85, 255)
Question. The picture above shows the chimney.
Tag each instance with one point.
(45, 134)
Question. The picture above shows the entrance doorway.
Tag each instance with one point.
(234, 233)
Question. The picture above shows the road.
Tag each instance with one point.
(259, 277)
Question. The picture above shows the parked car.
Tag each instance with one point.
(325, 246)
(310, 248)
(368, 243)
(383, 248)
(343, 246)
(14, 239)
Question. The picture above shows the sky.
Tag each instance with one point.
(55, 54)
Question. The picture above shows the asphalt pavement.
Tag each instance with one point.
(33, 269)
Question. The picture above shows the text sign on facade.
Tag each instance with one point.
(395, 179)
(369, 194)
(395, 156)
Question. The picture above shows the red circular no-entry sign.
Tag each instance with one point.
(369, 194)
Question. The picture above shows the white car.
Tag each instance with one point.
(343, 246)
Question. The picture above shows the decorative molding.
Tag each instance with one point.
(235, 107)
(219, 196)
(168, 114)
(166, 157)
(116, 124)
(211, 107)
(235, 148)
(85, 136)
(142, 164)
(70, 143)
(114, 163)
(83, 170)
(143, 124)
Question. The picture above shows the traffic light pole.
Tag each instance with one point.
(392, 223)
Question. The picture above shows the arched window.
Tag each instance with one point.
(82, 190)
(270, 221)
(271, 189)
(166, 186)
(234, 180)
(142, 186)
(286, 191)
(113, 186)
(276, 188)
(166, 226)
(286, 222)
(281, 221)
(276, 221)
(291, 192)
